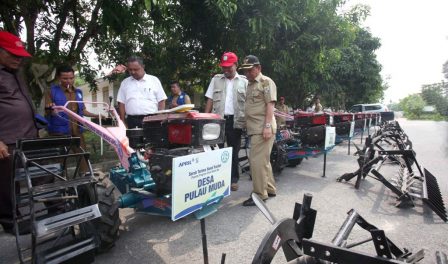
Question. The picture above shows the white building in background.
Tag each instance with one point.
(105, 90)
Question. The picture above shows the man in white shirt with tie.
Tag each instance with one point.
(140, 94)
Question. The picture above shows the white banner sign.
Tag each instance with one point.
(352, 129)
(200, 179)
(330, 137)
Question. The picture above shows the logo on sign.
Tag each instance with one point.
(225, 156)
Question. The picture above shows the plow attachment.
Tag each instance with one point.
(294, 236)
(413, 181)
(432, 196)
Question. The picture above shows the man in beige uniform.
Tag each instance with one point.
(261, 127)
(282, 107)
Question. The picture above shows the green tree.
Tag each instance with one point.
(68, 31)
(309, 49)
(306, 46)
(412, 106)
(445, 69)
(433, 94)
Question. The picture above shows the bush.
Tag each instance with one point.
(412, 106)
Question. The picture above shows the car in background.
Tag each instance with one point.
(369, 108)
(386, 115)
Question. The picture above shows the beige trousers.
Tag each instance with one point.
(260, 166)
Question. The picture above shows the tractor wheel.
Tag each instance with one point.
(294, 162)
(104, 228)
(108, 224)
(278, 158)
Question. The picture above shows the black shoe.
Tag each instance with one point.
(250, 202)
(272, 194)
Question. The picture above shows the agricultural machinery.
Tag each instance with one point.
(70, 213)
(295, 236)
(304, 136)
(391, 144)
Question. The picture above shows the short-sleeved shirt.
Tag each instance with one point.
(141, 97)
(228, 107)
(282, 108)
(16, 108)
(260, 92)
(70, 96)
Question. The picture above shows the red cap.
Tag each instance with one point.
(13, 44)
(228, 59)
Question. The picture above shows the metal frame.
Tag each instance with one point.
(294, 235)
(47, 198)
(411, 183)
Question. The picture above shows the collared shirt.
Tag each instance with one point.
(228, 105)
(141, 97)
(282, 108)
(16, 108)
(260, 92)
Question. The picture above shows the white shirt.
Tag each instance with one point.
(141, 97)
(228, 104)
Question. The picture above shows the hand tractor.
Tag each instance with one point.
(71, 214)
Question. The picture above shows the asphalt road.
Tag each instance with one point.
(238, 231)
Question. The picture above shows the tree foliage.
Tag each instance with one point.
(445, 69)
(307, 46)
(434, 94)
(412, 106)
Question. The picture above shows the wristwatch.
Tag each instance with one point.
(267, 125)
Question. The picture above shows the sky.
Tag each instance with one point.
(414, 39)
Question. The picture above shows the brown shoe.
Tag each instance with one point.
(234, 187)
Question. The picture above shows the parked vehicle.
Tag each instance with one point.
(372, 108)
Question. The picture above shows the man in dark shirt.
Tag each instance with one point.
(16, 117)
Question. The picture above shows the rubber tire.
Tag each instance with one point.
(276, 159)
(294, 162)
(107, 226)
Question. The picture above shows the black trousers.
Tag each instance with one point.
(233, 139)
(6, 189)
(134, 121)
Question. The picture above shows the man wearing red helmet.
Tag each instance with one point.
(16, 108)
(226, 96)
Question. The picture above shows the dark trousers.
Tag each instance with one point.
(134, 121)
(6, 190)
(233, 139)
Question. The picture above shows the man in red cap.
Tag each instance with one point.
(16, 117)
(226, 96)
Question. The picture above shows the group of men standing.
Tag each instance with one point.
(245, 102)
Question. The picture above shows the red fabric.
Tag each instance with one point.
(228, 59)
(13, 44)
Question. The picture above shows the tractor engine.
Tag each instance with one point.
(311, 127)
(167, 136)
(342, 122)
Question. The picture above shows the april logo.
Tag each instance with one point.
(225, 156)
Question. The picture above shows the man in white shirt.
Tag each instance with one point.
(140, 94)
(226, 96)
